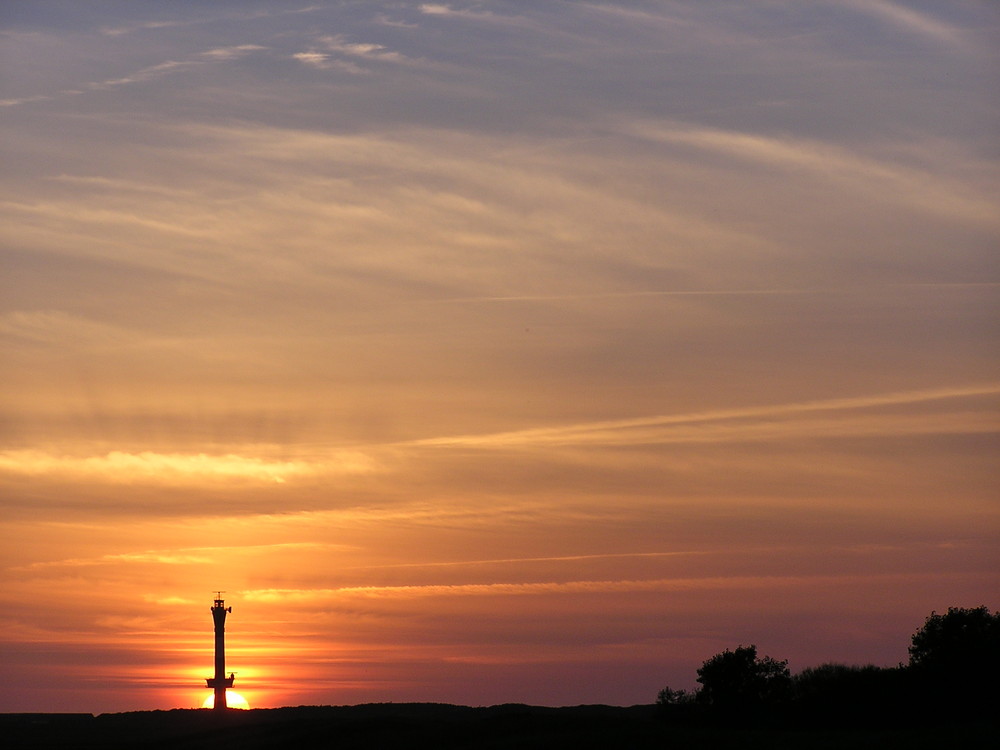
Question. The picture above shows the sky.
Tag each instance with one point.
(490, 351)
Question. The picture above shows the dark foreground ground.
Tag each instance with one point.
(398, 725)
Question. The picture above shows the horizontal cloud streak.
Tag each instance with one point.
(769, 583)
(518, 560)
(186, 556)
(176, 468)
(617, 431)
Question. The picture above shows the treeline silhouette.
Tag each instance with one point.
(953, 675)
(946, 696)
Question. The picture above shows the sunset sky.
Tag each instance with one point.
(490, 351)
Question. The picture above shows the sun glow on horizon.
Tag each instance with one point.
(233, 700)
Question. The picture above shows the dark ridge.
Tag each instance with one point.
(388, 726)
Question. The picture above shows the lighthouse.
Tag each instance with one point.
(220, 682)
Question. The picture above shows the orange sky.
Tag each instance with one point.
(487, 353)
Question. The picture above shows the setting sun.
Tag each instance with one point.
(233, 700)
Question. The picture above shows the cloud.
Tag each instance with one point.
(144, 74)
(58, 327)
(100, 216)
(119, 184)
(183, 556)
(157, 557)
(151, 72)
(233, 52)
(629, 295)
(153, 25)
(147, 73)
(178, 468)
(323, 191)
(385, 20)
(24, 100)
(912, 21)
(633, 15)
(441, 10)
(521, 560)
(928, 191)
(122, 29)
(337, 48)
(454, 200)
(665, 585)
(698, 427)
(490, 589)
(315, 59)
(324, 61)
(365, 50)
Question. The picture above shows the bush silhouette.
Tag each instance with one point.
(840, 694)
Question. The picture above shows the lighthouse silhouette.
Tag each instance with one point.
(220, 682)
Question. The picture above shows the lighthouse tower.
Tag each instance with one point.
(220, 682)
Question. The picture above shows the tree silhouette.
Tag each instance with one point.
(959, 638)
(957, 656)
(668, 697)
(737, 682)
(951, 680)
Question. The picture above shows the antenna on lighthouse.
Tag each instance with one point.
(220, 682)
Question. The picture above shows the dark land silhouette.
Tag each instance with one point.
(947, 696)
(408, 725)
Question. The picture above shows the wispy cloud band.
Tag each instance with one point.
(624, 430)
(177, 468)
